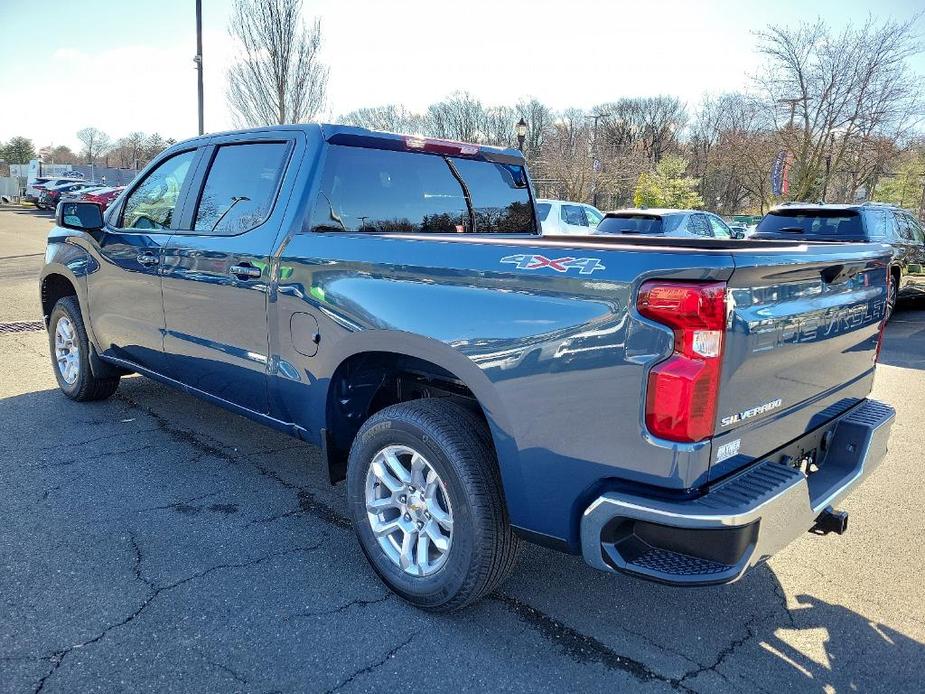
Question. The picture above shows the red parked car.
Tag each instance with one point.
(104, 196)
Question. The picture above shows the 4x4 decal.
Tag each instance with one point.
(537, 262)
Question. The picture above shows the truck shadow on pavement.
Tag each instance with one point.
(904, 338)
(154, 523)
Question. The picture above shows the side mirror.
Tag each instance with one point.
(83, 216)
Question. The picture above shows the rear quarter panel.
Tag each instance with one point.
(557, 359)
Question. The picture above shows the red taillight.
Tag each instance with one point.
(682, 391)
(426, 144)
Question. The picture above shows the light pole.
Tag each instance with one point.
(198, 60)
(595, 164)
(521, 130)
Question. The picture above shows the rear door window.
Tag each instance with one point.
(374, 190)
(594, 217)
(240, 187)
(574, 215)
(719, 228)
(697, 224)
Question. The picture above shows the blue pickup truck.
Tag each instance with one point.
(673, 409)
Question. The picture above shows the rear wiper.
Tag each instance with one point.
(793, 230)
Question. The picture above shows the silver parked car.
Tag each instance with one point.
(665, 222)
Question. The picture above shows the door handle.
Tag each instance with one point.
(147, 258)
(245, 271)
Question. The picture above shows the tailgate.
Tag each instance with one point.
(800, 346)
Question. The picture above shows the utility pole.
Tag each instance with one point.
(595, 164)
(828, 166)
(198, 60)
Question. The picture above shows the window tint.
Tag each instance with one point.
(240, 187)
(631, 224)
(594, 217)
(697, 224)
(909, 228)
(574, 214)
(543, 210)
(905, 227)
(821, 224)
(917, 232)
(719, 228)
(378, 190)
(500, 199)
(152, 203)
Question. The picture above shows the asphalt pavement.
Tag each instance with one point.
(155, 543)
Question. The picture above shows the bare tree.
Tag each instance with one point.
(278, 76)
(539, 119)
(847, 90)
(391, 118)
(458, 117)
(96, 144)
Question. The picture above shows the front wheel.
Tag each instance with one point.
(426, 500)
(70, 354)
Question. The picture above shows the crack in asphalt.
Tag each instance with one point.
(57, 657)
(362, 602)
(174, 505)
(388, 655)
(86, 459)
(580, 647)
(236, 676)
(75, 444)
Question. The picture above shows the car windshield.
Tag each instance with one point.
(637, 223)
(819, 225)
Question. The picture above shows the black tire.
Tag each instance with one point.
(86, 387)
(893, 297)
(457, 445)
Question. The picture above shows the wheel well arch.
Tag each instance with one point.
(54, 288)
(367, 382)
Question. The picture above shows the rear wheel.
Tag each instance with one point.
(892, 296)
(427, 504)
(70, 354)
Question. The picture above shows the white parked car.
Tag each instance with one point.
(564, 217)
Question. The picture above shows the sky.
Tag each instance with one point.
(128, 65)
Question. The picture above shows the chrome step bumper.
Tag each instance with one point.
(740, 521)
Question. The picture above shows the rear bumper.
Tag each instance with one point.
(741, 521)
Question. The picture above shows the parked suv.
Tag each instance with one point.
(859, 223)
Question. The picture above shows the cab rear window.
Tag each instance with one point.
(811, 225)
(374, 190)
